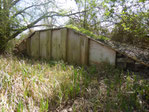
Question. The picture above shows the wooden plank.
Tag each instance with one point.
(56, 44)
(74, 48)
(99, 53)
(28, 43)
(64, 44)
(35, 46)
(43, 44)
(84, 50)
(49, 44)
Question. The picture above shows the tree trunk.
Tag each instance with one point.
(3, 44)
(4, 24)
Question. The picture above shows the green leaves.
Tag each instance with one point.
(142, 0)
(107, 13)
(113, 0)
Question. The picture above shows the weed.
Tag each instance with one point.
(44, 106)
(20, 107)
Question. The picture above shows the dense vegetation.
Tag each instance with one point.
(120, 20)
(32, 85)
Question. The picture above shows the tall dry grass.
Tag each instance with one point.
(40, 86)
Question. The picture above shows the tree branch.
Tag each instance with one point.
(21, 11)
(31, 25)
(14, 3)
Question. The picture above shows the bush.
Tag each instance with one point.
(132, 29)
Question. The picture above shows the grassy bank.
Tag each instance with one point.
(32, 85)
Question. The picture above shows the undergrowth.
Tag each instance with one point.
(32, 85)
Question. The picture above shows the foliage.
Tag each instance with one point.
(90, 19)
(130, 22)
(127, 20)
(16, 41)
(35, 85)
(132, 28)
(11, 45)
(87, 32)
(15, 19)
(17, 16)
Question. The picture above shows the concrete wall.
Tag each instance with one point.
(35, 45)
(100, 53)
(43, 44)
(70, 46)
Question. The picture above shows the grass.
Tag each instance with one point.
(32, 85)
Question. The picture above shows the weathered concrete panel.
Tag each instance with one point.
(43, 44)
(70, 46)
(64, 43)
(35, 45)
(49, 44)
(56, 44)
(99, 53)
(73, 49)
(84, 50)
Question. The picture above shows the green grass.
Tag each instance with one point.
(32, 85)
